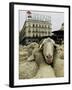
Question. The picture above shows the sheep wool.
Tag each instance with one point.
(23, 53)
(59, 67)
(44, 70)
(27, 70)
(58, 63)
(26, 51)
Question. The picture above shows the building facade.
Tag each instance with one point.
(36, 26)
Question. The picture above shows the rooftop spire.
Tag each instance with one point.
(28, 12)
(29, 15)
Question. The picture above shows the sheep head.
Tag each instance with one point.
(48, 49)
(32, 57)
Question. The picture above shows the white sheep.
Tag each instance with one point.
(23, 53)
(26, 51)
(44, 70)
(48, 49)
(27, 69)
(42, 56)
(33, 45)
(58, 62)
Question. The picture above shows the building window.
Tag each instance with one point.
(33, 34)
(29, 31)
(36, 35)
(49, 32)
(33, 31)
(36, 30)
(36, 25)
(33, 25)
(40, 26)
(45, 26)
(49, 26)
(42, 32)
(45, 32)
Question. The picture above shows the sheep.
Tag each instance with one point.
(44, 70)
(31, 46)
(58, 62)
(26, 51)
(27, 69)
(37, 64)
(23, 53)
(48, 49)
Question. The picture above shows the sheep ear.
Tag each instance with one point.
(41, 46)
(53, 41)
(31, 58)
(42, 43)
(56, 45)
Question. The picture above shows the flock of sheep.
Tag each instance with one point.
(43, 60)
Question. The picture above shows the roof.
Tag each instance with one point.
(58, 32)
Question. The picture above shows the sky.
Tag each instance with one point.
(57, 18)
